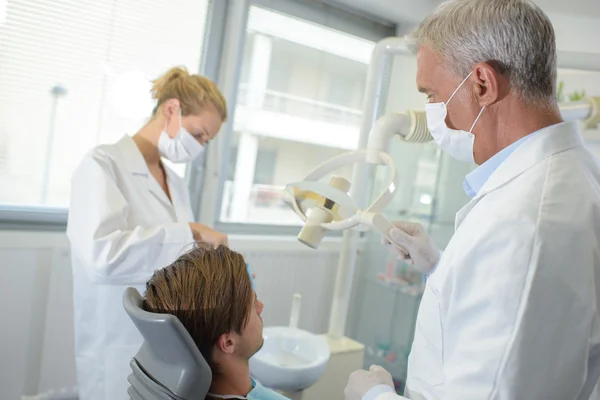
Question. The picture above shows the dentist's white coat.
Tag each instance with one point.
(512, 311)
(122, 227)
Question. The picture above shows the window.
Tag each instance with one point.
(264, 172)
(299, 104)
(75, 74)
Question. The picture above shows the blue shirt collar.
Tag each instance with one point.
(475, 180)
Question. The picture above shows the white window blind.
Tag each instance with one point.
(74, 74)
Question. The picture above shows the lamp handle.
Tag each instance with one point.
(382, 225)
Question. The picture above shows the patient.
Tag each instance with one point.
(210, 291)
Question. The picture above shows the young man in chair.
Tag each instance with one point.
(210, 291)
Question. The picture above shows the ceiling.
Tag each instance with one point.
(412, 11)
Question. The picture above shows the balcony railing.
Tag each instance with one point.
(302, 107)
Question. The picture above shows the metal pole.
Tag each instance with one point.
(57, 91)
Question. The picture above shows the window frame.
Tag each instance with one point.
(209, 208)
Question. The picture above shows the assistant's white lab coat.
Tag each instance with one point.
(122, 227)
(512, 311)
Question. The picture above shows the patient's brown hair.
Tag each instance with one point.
(208, 289)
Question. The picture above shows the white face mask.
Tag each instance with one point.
(182, 148)
(457, 143)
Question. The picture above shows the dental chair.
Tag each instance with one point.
(169, 365)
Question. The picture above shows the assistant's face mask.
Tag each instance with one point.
(182, 148)
(457, 143)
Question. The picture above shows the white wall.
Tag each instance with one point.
(576, 33)
(36, 339)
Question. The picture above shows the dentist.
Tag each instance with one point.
(511, 310)
(129, 216)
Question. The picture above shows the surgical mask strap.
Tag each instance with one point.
(456, 90)
(476, 119)
(459, 86)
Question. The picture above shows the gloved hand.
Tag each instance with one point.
(361, 381)
(423, 252)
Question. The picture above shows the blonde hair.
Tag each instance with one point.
(194, 92)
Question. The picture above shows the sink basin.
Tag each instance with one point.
(291, 359)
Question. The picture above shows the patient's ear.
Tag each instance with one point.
(226, 343)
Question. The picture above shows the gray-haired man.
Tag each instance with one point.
(511, 310)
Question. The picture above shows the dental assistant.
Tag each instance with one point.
(511, 309)
(129, 216)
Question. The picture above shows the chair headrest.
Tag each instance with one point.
(169, 355)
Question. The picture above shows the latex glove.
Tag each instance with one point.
(361, 381)
(203, 233)
(422, 251)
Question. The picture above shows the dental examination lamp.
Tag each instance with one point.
(327, 206)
